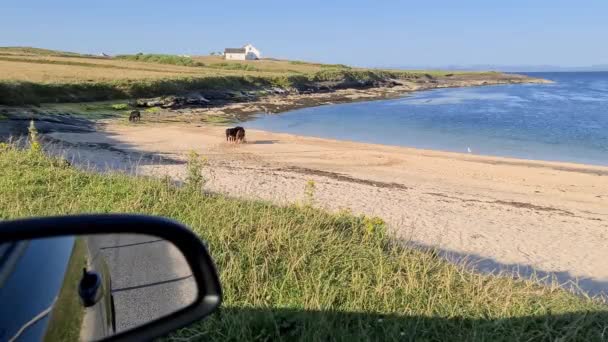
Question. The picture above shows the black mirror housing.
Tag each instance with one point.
(201, 264)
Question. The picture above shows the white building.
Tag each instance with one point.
(247, 52)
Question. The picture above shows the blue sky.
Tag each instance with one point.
(364, 33)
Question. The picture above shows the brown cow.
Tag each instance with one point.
(236, 134)
(240, 135)
(135, 116)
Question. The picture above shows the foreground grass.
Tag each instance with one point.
(297, 273)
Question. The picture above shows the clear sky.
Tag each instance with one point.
(363, 33)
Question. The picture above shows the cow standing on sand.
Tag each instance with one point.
(240, 135)
(236, 134)
(135, 116)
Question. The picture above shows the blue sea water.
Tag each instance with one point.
(563, 121)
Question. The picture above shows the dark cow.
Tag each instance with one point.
(135, 116)
(231, 134)
(236, 134)
(240, 135)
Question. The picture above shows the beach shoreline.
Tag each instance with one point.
(502, 214)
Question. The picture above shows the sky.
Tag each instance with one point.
(378, 33)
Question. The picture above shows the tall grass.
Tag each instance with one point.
(162, 59)
(15, 93)
(23, 92)
(298, 273)
(321, 65)
(233, 66)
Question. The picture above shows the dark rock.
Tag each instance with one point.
(157, 101)
(215, 95)
(197, 100)
(173, 101)
(278, 90)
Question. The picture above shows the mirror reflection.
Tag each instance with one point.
(84, 288)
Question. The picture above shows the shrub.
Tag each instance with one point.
(309, 193)
(152, 110)
(194, 178)
(120, 106)
(35, 146)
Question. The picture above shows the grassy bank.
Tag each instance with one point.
(299, 273)
(25, 92)
(32, 76)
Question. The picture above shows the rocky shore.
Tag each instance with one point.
(223, 106)
(226, 106)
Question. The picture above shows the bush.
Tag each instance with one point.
(120, 106)
(152, 110)
(194, 177)
(35, 146)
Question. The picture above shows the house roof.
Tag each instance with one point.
(232, 50)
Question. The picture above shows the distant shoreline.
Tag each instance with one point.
(232, 111)
(224, 107)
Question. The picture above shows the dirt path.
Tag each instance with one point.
(505, 214)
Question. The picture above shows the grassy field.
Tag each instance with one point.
(32, 76)
(298, 273)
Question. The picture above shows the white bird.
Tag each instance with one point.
(469, 150)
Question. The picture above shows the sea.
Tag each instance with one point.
(563, 121)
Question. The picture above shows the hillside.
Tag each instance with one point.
(32, 76)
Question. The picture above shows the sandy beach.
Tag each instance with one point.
(497, 213)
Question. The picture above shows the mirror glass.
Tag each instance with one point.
(84, 288)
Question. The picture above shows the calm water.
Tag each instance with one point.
(565, 121)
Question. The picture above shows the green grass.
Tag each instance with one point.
(217, 119)
(120, 106)
(25, 50)
(161, 59)
(334, 66)
(22, 92)
(298, 273)
(233, 66)
(88, 110)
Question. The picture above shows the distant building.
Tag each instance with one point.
(247, 52)
(105, 55)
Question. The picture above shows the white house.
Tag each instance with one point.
(247, 52)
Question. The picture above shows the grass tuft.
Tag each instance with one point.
(194, 177)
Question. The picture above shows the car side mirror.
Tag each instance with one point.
(152, 276)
